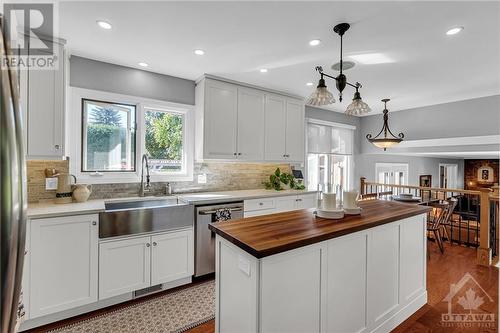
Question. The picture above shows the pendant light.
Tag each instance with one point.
(321, 96)
(357, 107)
(389, 139)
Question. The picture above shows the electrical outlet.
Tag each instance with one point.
(50, 184)
(202, 179)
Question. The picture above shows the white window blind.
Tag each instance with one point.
(329, 139)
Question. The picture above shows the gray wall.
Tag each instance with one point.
(97, 75)
(473, 117)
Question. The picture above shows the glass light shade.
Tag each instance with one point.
(357, 107)
(321, 96)
(385, 143)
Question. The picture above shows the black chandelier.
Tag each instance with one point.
(389, 139)
(321, 96)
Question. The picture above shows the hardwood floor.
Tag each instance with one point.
(442, 270)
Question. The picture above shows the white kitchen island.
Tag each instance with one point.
(292, 272)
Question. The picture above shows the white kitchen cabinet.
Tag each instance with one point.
(284, 130)
(367, 281)
(171, 256)
(383, 273)
(250, 124)
(296, 278)
(272, 205)
(346, 296)
(305, 201)
(275, 128)
(285, 204)
(124, 266)
(42, 94)
(220, 118)
(295, 122)
(130, 264)
(63, 263)
(237, 122)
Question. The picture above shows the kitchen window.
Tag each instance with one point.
(329, 155)
(164, 138)
(108, 142)
(110, 132)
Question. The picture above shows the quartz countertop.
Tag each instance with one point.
(203, 198)
(51, 209)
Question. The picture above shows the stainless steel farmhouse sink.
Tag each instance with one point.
(124, 218)
(137, 204)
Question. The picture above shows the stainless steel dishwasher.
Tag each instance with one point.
(205, 238)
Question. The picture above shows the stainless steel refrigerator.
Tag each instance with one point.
(13, 189)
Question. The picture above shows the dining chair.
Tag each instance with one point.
(447, 221)
(435, 219)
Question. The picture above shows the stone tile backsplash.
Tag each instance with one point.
(35, 170)
(220, 177)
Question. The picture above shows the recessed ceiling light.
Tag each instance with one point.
(309, 84)
(371, 58)
(104, 24)
(454, 31)
(199, 52)
(143, 64)
(263, 70)
(315, 42)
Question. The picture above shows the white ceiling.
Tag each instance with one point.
(241, 37)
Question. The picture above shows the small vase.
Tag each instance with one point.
(82, 192)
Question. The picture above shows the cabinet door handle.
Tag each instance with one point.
(57, 147)
(148, 245)
(154, 243)
(261, 204)
(239, 154)
(299, 199)
(235, 154)
(94, 223)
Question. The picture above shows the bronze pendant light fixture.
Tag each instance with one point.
(389, 139)
(321, 96)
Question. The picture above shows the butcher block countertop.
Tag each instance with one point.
(262, 236)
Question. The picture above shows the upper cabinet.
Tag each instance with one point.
(284, 129)
(235, 122)
(42, 94)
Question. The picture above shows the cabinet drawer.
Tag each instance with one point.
(259, 212)
(259, 204)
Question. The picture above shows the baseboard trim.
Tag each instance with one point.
(403, 314)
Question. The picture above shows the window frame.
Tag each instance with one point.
(84, 135)
(75, 128)
(187, 137)
(350, 157)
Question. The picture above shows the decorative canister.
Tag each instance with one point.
(82, 192)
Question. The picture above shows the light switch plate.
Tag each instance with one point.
(50, 184)
(202, 179)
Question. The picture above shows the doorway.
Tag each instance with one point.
(448, 175)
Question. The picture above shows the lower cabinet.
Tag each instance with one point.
(62, 264)
(367, 281)
(124, 265)
(135, 263)
(171, 257)
(258, 207)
